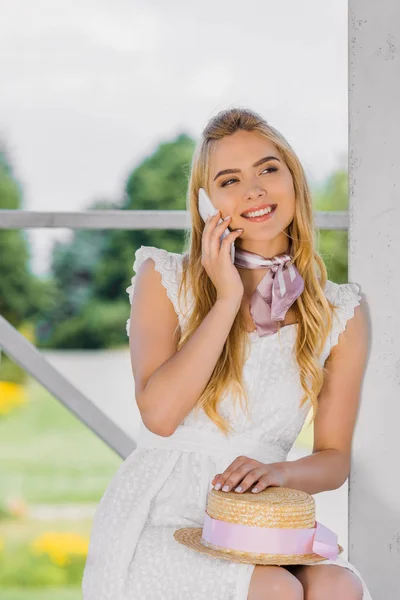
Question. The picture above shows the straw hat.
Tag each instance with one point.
(276, 526)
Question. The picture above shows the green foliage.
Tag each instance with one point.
(93, 270)
(333, 195)
(333, 245)
(22, 294)
(158, 183)
(15, 298)
(10, 188)
(97, 325)
(14, 257)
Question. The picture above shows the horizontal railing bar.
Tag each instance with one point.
(131, 219)
(30, 358)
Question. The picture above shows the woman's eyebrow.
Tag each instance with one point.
(256, 164)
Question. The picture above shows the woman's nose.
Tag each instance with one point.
(255, 192)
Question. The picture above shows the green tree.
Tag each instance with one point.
(20, 292)
(333, 244)
(158, 183)
(93, 270)
(73, 269)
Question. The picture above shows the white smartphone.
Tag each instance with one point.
(207, 209)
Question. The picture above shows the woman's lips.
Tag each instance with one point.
(261, 217)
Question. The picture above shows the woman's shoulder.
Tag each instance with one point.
(168, 264)
(342, 294)
(345, 297)
(163, 259)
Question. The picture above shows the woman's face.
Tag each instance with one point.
(253, 185)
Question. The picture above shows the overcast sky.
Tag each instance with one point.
(89, 88)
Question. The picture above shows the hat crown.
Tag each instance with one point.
(274, 507)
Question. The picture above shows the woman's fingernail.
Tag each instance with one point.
(225, 488)
(255, 490)
(217, 486)
(238, 489)
(226, 218)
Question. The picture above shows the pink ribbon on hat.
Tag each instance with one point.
(276, 292)
(319, 539)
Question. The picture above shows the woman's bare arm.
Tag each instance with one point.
(168, 383)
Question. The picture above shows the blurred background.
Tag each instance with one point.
(101, 106)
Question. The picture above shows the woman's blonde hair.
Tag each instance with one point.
(312, 308)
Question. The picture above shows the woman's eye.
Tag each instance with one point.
(225, 182)
(267, 169)
(270, 169)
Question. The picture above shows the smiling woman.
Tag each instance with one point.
(193, 361)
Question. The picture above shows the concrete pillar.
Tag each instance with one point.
(374, 263)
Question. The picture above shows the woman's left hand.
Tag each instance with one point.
(244, 472)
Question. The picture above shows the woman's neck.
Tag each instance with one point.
(250, 279)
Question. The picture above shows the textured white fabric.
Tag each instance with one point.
(163, 484)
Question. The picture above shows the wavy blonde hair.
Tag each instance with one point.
(312, 308)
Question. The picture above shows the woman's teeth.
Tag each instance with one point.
(258, 213)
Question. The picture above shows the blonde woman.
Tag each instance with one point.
(216, 354)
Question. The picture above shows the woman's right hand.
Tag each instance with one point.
(216, 259)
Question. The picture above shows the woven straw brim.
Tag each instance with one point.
(191, 537)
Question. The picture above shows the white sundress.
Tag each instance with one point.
(163, 484)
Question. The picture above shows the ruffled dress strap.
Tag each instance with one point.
(169, 265)
(346, 296)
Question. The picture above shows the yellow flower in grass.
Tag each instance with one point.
(60, 546)
(11, 395)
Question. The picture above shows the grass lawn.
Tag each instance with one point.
(41, 594)
(24, 530)
(48, 456)
(18, 557)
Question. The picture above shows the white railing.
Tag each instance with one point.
(129, 219)
(33, 362)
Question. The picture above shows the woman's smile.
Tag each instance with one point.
(263, 217)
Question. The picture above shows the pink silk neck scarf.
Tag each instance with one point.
(276, 292)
